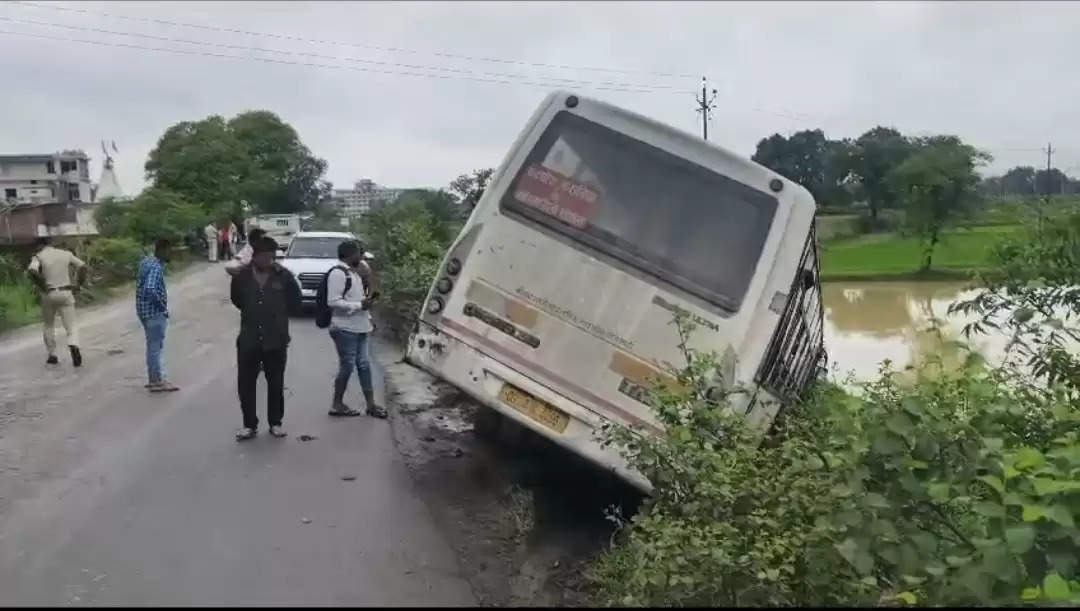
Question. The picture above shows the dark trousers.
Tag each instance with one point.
(272, 362)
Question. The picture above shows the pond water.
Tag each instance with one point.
(868, 322)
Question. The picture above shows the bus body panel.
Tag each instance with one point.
(586, 331)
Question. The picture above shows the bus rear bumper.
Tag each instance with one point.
(483, 378)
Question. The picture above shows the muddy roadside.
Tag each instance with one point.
(524, 516)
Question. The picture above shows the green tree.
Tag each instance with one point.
(286, 176)
(1019, 181)
(875, 154)
(156, 213)
(821, 165)
(470, 187)
(200, 160)
(938, 185)
(255, 156)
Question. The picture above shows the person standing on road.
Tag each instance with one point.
(211, 234)
(243, 258)
(266, 294)
(349, 296)
(223, 244)
(152, 308)
(50, 270)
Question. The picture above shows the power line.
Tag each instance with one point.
(344, 44)
(322, 56)
(569, 82)
(317, 65)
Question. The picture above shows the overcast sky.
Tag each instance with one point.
(1001, 75)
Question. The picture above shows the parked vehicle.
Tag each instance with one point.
(554, 305)
(281, 227)
(310, 255)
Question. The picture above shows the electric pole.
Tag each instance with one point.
(1046, 203)
(1049, 151)
(705, 106)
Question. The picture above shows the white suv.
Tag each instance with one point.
(310, 255)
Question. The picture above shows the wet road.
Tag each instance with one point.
(111, 495)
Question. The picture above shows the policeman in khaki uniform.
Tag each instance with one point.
(50, 269)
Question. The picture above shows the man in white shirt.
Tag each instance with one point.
(50, 269)
(211, 234)
(349, 293)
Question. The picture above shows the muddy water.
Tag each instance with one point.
(868, 322)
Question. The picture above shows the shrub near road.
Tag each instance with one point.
(961, 489)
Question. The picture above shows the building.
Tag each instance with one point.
(45, 195)
(364, 197)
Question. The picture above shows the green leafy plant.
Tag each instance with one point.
(958, 488)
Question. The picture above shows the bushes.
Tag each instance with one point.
(18, 297)
(156, 213)
(409, 238)
(962, 489)
(113, 260)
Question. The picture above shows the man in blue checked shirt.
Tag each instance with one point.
(152, 307)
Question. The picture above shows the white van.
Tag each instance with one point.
(554, 305)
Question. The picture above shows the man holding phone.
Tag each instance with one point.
(349, 294)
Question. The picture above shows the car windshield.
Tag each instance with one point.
(314, 248)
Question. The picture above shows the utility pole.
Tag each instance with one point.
(705, 106)
(1046, 203)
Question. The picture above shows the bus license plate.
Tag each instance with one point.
(534, 408)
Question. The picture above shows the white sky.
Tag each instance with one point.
(1001, 75)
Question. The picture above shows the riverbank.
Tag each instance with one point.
(891, 256)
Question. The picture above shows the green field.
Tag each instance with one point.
(891, 256)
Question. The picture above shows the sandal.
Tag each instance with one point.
(346, 412)
(377, 412)
(163, 387)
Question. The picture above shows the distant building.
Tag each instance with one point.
(364, 197)
(45, 195)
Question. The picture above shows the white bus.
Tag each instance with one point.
(555, 304)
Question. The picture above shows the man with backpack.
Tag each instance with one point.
(343, 304)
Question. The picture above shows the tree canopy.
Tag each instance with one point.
(937, 184)
(255, 156)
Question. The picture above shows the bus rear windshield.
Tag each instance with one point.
(663, 214)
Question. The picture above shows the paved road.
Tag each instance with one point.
(110, 495)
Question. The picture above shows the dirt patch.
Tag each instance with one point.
(524, 515)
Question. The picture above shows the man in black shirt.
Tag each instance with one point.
(266, 294)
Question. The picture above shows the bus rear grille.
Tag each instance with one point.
(310, 281)
(796, 352)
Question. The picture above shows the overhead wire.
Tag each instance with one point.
(544, 81)
(268, 60)
(571, 82)
(214, 28)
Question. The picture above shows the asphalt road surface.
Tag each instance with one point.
(111, 495)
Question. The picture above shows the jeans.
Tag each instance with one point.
(155, 346)
(352, 349)
(248, 363)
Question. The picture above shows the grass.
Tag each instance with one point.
(891, 256)
(18, 305)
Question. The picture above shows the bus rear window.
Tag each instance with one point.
(663, 214)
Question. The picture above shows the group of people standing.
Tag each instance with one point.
(265, 293)
(221, 242)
